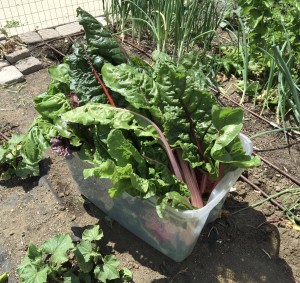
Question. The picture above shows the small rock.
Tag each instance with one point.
(62, 208)
(294, 243)
(61, 195)
(23, 234)
(11, 233)
(268, 212)
(277, 188)
(67, 193)
(73, 217)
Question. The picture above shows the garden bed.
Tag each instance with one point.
(241, 247)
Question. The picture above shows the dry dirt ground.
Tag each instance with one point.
(241, 247)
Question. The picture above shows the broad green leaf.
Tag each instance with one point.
(99, 39)
(57, 247)
(234, 155)
(229, 123)
(23, 152)
(60, 73)
(138, 88)
(33, 269)
(108, 270)
(34, 256)
(86, 249)
(83, 81)
(35, 141)
(52, 106)
(92, 114)
(70, 277)
(92, 234)
(85, 254)
(30, 274)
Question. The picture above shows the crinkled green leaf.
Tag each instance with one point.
(100, 39)
(57, 247)
(92, 234)
(138, 88)
(165, 95)
(83, 82)
(123, 151)
(51, 106)
(108, 270)
(22, 153)
(60, 73)
(92, 114)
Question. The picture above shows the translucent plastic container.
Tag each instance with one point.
(176, 234)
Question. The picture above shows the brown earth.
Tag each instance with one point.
(254, 245)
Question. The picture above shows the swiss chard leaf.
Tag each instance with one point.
(173, 199)
(52, 106)
(60, 73)
(83, 81)
(99, 39)
(227, 147)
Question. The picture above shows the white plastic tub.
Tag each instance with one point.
(176, 234)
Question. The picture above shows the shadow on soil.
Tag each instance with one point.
(29, 183)
(236, 248)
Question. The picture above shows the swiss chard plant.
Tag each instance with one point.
(154, 130)
(59, 259)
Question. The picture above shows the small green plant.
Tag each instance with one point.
(12, 24)
(60, 260)
(9, 24)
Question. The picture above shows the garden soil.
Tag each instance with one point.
(254, 245)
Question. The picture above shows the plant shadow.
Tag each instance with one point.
(29, 183)
(236, 248)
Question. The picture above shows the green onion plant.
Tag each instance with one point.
(175, 26)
